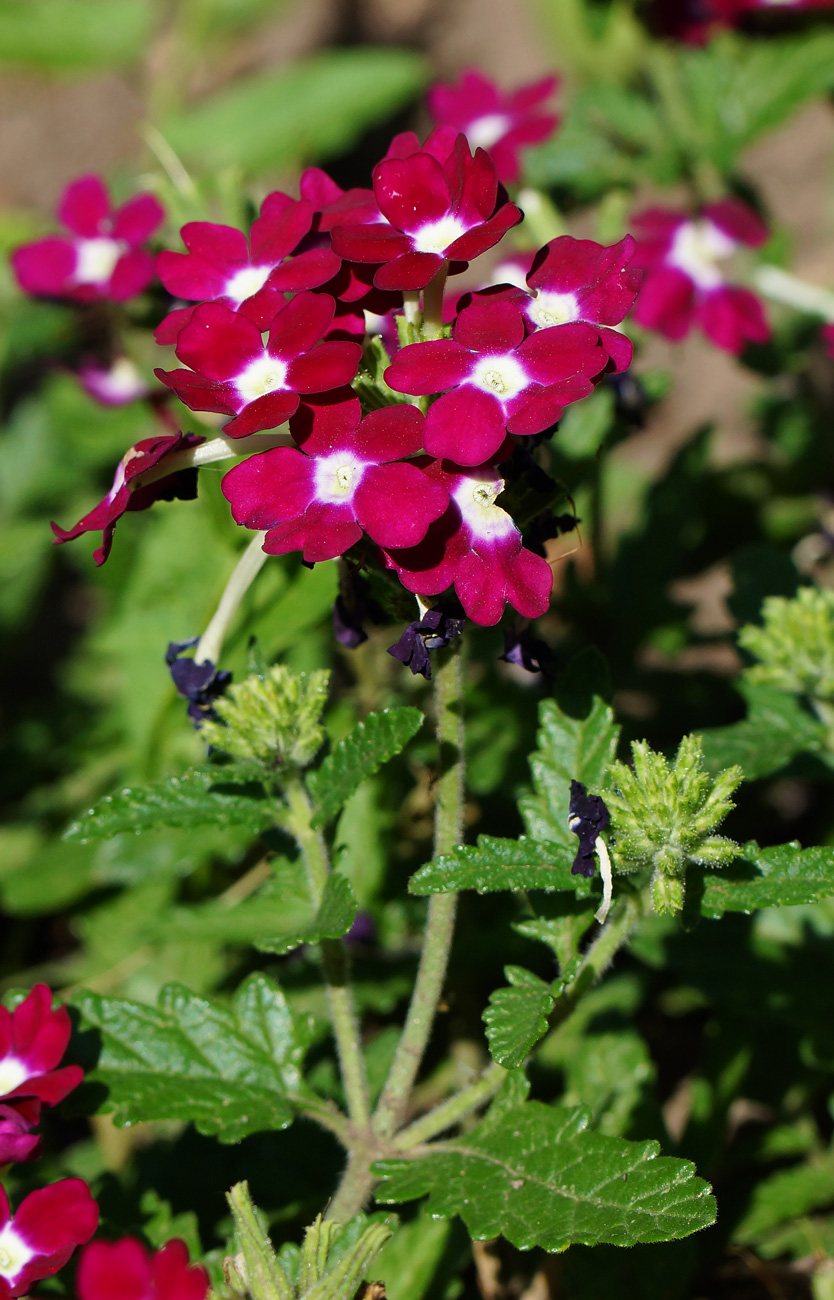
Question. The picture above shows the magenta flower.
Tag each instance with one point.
(17, 1141)
(438, 210)
(683, 284)
(127, 494)
(501, 122)
(102, 257)
(347, 478)
(476, 546)
(249, 277)
(502, 381)
(33, 1038)
(115, 385)
(234, 372)
(41, 1236)
(827, 333)
(125, 1270)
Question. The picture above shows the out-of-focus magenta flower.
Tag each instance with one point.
(233, 372)
(694, 21)
(115, 385)
(17, 1141)
(102, 257)
(249, 277)
(476, 546)
(440, 204)
(683, 283)
(501, 121)
(41, 1236)
(347, 478)
(125, 495)
(501, 379)
(33, 1038)
(125, 1270)
(827, 333)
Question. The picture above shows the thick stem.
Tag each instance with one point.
(782, 287)
(354, 1189)
(245, 571)
(411, 307)
(433, 304)
(440, 923)
(214, 449)
(334, 959)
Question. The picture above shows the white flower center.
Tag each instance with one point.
(262, 376)
(436, 236)
(14, 1253)
(246, 282)
(96, 259)
(475, 496)
(121, 383)
(553, 309)
(486, 131)
(12, 1072)
(338, 477)
(501, 375)
(697, 248)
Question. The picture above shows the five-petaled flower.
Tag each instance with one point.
(232, 371)
(33, 1038)
(683, 283)
(501, 122)
(348, 477)
(440, 204)
(102, 257)
(39, 1239)
(502, 379)
(125, 1270)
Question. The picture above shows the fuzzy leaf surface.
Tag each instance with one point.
(780, 876)
(516, 1017)
(497, 864)
(200, 797)
(228, 1070)
(569, 748)
(537, 1176)
(776, 729)
(359, 754)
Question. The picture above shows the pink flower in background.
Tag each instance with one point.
(684, 284)
(502, 122)
(125, 1270)
(114, 385)
(123, 495)
(33, 1038)
(348, 478)
(437, 209)
(41, 1236)
(102, 257)
(247, 276)
(476, 546)
(234, 372)
(827, 333)
(694, 21)
(17, 1141)
(501, 379)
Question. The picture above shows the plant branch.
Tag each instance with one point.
(451, 1110)
(780, 286)
(243, 575)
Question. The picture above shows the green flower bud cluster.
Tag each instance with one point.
(663, 816)
(272, 718)
(795, 644)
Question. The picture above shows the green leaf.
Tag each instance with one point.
(202, 796)
(780, 876)
(516, 1017)
(320, 106)
(227, 1070)
(64, 35)
(497, 864)
(787, 1195)
(537, 1176)
(359, 754)
(776, 729)
(569, 748)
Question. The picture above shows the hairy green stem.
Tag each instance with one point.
(451, 1110)
(334, 959)
(433, 304)
(437, 941)
(780, 286)
(243, 575)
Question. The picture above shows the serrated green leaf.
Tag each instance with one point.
(226, 1070)
(776, 729)
(62, 35)
(496, 864)
(318, 107)
(537, 1176)
(516, 1017)
(569, 748)
(780, 876)
(359, 754)
(200, 797)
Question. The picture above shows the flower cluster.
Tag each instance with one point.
(695, 21)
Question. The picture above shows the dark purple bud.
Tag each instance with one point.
(434, 630)
(200, 684)
(528, 652)
(588, 817)
(362, 932)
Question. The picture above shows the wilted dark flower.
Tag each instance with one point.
(435, 629)
(588, 818)
(527, 652)
(200, 684)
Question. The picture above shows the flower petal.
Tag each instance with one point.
(466, 426)
(300, 324)
(559, 351)
(410, 272)
(429, 367)
(222, 246)
(411, 192)
(115, 1270)
(85, 207)
(131, 275)
(186, 275)
(270, 487)
(44, 267)
(396, 503)
(329, 365)
(218, 342)
(136, 220)
(389, 434)
(323, 533)
(265, 412)
(490, 326)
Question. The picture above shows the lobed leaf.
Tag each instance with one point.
(516, 1017)
(580, 748)
(497, 864)
(780, 876)
(537, 1176)
(228, 1070)
(359, 754)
